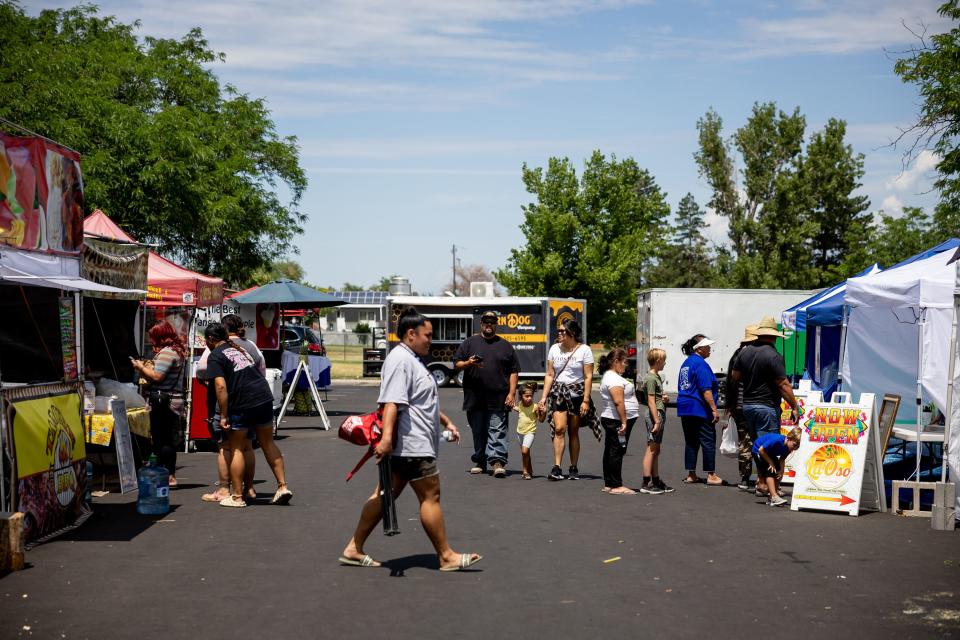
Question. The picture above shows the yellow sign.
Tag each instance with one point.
(48, 436)
(523, 337)
(556, 305)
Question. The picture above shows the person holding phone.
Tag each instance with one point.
(165, 382)
(490, 371)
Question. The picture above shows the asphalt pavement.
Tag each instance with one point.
(561, 559)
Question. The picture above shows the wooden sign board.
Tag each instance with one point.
(124, 443)
(838, 462)
(805, 398)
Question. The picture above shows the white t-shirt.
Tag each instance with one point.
(613, 379)
(405, 381)
(573, 371)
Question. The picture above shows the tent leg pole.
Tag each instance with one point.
(843, 347)
(948, 410)
(919, 447)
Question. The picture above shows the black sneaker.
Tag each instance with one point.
(555, 473)
(664, 488)
(573, 473)
(651, 488)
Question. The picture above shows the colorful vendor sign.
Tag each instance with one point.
(837, 450)
(49, 451)
(41, 195)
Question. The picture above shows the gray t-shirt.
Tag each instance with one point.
(406, 382)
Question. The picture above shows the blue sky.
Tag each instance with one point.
(414, 118)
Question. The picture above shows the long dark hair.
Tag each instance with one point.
(607, 360)
(687, 347)
(234, 324)
(573, 328)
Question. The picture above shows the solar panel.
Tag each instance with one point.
(362, 297)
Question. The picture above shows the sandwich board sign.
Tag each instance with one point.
(838, 462)
(806, 397)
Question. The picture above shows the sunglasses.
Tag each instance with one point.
(489, 321)
(561, 332)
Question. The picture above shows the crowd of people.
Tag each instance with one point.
(754, 389)
(239, 406)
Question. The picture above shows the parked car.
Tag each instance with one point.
(293, 336)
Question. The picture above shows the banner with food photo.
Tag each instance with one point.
(41, 195)
(833, 455)
(50, 454)
(805, 398)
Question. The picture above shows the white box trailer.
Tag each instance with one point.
(666, 318)
(530, 324)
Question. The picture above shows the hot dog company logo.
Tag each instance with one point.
(836, 425)
(60, 444)
(829, 467)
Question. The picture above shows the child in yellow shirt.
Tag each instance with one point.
(527, 424)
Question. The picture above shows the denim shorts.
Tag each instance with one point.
(253, 418)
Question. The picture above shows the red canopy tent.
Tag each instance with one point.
(168, 284)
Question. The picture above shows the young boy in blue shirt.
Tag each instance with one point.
(770, 451)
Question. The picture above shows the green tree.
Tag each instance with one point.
(932, 66)
(792, 211)
(170, 154)
(349, 286)
(283, 270)
(383, 284)
(686, 261)
(589, 237)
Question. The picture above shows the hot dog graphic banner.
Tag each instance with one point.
(41, 195)
(835, 444)
(50, 455)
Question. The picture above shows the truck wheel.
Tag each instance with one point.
(440, 375)
(459, 378)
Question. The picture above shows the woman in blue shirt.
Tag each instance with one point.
(697, 408)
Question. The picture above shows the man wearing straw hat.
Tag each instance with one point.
(763, 374)
(734, 397)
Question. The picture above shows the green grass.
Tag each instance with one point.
(346, 362)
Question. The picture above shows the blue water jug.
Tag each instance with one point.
(154, 489)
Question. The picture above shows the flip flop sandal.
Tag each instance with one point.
(689, 480)
(466, 560)
(365, 561)
(212, 497)
(722, 483)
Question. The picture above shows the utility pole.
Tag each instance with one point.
(454, 252)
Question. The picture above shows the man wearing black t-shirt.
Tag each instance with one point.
(762, 372)
(490, 371)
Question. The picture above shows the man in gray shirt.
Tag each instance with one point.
(411, 435)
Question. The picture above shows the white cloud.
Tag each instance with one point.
(908, 179)
(716, 228)
(892, 205)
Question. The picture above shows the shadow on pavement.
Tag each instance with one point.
(115, 522)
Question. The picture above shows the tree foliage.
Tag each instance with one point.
(933, 66)
(282, 270)
(170, 154)
(792, 210)
(472, 273)
(589, 237)
(686, 261)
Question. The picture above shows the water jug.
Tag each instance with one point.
(154, 489)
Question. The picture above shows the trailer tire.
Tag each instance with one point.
(458, 379)
(440, 375)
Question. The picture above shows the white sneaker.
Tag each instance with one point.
(776, 501)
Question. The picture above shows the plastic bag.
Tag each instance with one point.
(729, 445)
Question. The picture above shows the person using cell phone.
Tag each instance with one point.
(490, 371)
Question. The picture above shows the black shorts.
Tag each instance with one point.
(413, 469)
(763, 469)
(572, 407)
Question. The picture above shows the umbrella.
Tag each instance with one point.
(288, 294)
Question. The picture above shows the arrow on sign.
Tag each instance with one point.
(843, 500)
(791, 473)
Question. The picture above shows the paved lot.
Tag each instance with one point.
(702, 562)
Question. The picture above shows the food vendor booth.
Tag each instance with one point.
(42, 443)
(174, 294)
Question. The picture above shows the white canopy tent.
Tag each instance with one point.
(898, 335)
